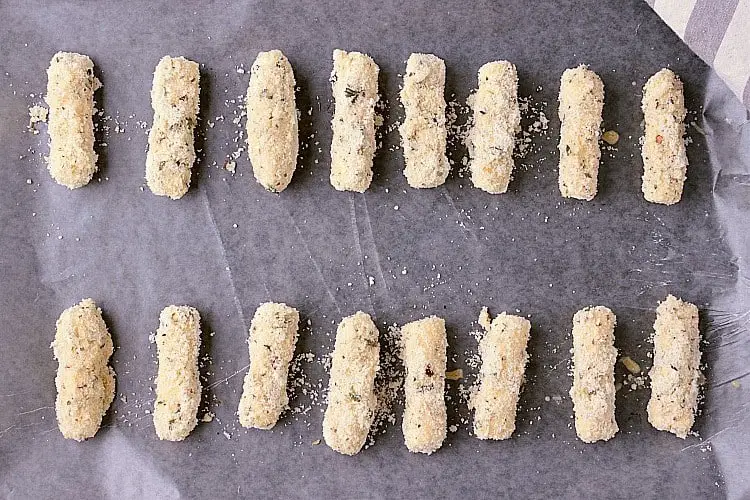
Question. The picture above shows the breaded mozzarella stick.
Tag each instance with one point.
(581, 102)
(503, 352)
(497, 120)
(272, 128)
(85, 382)
(178, 386)
(171, 153)
(594, 357)
(351, 390)
(273, 337)
(676, 372)
(424, 355)
(664, 157)
(355, 91)
(70, 95)
(423, 133)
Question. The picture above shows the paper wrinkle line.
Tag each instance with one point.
(207, 205)
(463, 226)
(315, 262)
(65, 275)
(214, 384)
(707, 440)
(26, 426)
(723, 320)
(355, 229)
(729, 305)
(118, 463)
(733, 379)
(375, 247)
(35, 410)
(740, 417)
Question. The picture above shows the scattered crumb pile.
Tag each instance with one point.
(531, 140)
(635, 378)
(306, 394)
(388, 383)
(36, 114)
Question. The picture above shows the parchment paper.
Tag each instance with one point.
(229, 245)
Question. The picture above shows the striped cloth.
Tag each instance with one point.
(718, 31)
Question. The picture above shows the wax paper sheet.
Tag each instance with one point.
(394, 252)
(717, 31)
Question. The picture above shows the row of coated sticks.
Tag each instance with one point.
(85, 381)
(272, 125)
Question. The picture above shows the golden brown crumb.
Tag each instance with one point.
(611, 137)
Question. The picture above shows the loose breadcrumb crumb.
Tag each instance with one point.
(611, 137)
(630, 365)
(37, 114)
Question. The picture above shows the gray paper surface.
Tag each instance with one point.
(394, 252)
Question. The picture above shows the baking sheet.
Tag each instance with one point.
(393, 252)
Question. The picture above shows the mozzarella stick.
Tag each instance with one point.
(497, 120)
(355, 91)
(178, 386)
(664, 157)
(423, 351)
(676, 373)
(273, 337)
(272, 128)
(594, 357)
(503, 352)
(423, 133)
(581, 101)
(70, 95)
(85, 383)
(351, 390)
(171, 153)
